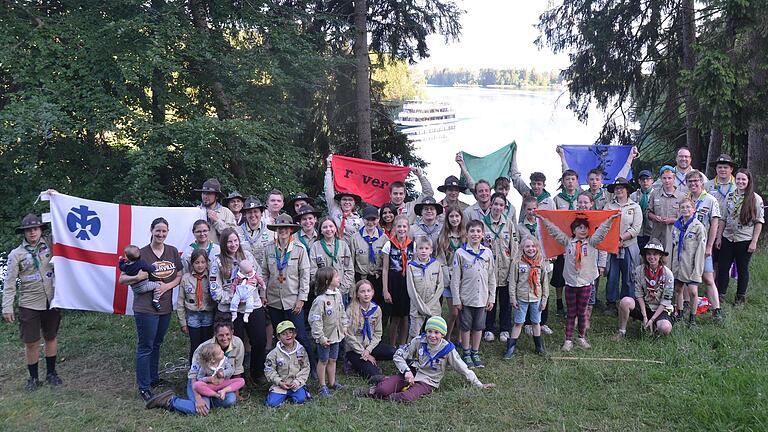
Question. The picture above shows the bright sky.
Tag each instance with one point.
(495, 34)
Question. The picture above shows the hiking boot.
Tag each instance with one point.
(717, 316)
(324, 392)
(740, 301)
(145, 395)
(162, 400)
(363, 391)
(510, 352)
(336, 387)
(468, 359)
(53, 380)
(582, 342)
(476, 359)
(544, 329)
(538, 341)
(692, 320)
(488, 336)
(503, 337)
(32, 384)
(375, 379)
(567, 346)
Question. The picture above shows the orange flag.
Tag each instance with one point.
(563, 220)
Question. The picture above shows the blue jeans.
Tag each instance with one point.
(150, 331)
(619, 268)
(274, 400)
(523, 308)
(279, 315)
(187, 406)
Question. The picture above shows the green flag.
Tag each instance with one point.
(492, 166)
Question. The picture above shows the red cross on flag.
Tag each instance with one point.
(89, 236)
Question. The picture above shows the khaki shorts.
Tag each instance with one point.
(32, 322)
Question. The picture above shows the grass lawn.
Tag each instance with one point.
(712, 378)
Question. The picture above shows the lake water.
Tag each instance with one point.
(537, 120)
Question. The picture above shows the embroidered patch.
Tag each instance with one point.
(523, 268)
(280, 362)
(315, 317)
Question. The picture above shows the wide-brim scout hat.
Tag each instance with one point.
(370, 212)
(211, 185)
(253, 203)
(654, 245)
(301, 196)
(285, 325)
(340, 195)
(724, 159)
(620, 181)
(283, 221)
(232, 195)
(427, 201)
(29, 221)
(452, 182)
(305, 210)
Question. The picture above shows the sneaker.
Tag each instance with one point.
(529, 329)
(717, 316)
(324, 392)
(468, 360)
(336, 387)
(740, 301)
(156, 304)
(363, 391)
(162, 400)
(32, 384)
(476, 360)
(53, 380)
(488, 336)
(582, 342)
(503, 337)
(619, 336)
(567, 346)
(544, 329)
(146, 395)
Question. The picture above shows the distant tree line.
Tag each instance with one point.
(493, 77)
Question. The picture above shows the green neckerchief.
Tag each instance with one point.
(489, 223)
(335, 254)
(35, 252)
(570, 199)
(530, 226)
(301, 236)
(595, 197)
(453, 245)
(196, 246)
(542, 196)
(644, 197)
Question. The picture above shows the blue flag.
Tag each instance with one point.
(609, 158)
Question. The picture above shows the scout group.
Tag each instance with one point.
(325, 286)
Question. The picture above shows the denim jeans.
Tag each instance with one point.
(279, 315)
(187, 406)
(619, 269)
(150, 331)
(274, 400)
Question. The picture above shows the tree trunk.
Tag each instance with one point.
(757, 138)
(688, 38)
(363, 84)
(715, 148)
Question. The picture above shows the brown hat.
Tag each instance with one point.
(211, 185)
(427, 201)
(452, 182)
(29, 221)
(620, 181)
(301, 196)
(305, 210)
(233, 195)
(340, 195)
(724, 159)
(253, 203)
(283, 221)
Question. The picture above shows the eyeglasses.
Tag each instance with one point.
(201, 232)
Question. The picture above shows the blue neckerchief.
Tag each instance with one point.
(370, 241)
(478, 256)
(718, 186)
(282, 262)
(682, 227)
(423, 267)
(367, 332)
(432, 358)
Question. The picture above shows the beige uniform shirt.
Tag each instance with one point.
(667, 205)
(601, 198)
(734, 230)
(720, 191)
(501, 238)
(35, 284)
(407, 208)
(519, 287)
(425, 286)
(660, 293)
(473, 278)
(474, 212)
(342, 262)
(187, 297)
(356, 341)
(255, 241)
(225, 220)
(285, 288)
(221, 284)
(527, 228)
(445, 256)
(352, 222)
(563, 204)
(588, 272)
(283, 365)
(647, 227)
(518, 183)
(213, 251)
(431, 374)
(420, 229)
(688, 258)
(361, 257)
(234, 353)
(327, 318)
(300, 237)
(631, 220)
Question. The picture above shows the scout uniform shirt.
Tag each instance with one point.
(520, 289)
(527, 228)
(688, 250)
(631, 220)
(407, 208)
(544, 200)
(337, 256)
(720, 191)
(420, 229)
(637, 196)
(364, 337)
(213, 251)
(680, 183)
(444, 254)
(287, 275)
(327, 318)
(33, 267)
(255, 241)
(431, 370)
(235, 352)
(284, 365)
(347, 225)
(565, 201)
(221, 284)
(366, 251)
(305, 240)
(192, 299)
(600, 199)
(734, 230)
(474, 212)
(501, 238)
(655, 291)
(461, 205)
(588, 255)
(706, 208)
(473, 277)
(424, 284)
(664, 204)
(226, 220)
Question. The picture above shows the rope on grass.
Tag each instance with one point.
(629, 360)
(171, 367)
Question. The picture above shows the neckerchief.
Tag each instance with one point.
(578, 254)
(699, 200)
(196, 246)
(429, 231)
(737, 199)
(477, 256)
(730, 184)
(389, 232)
(34, 251)
(652, 278)
(595, 197)
(248, 237)
(334, 256)
(199, 289)
(531, 227)
(432, 358)
(644, 193)
(342, 226)
(542, 196)
(489, 223)
(282, 261)
(682, 227)
(534, 275)
(422, 266)
(302, 238)
(454, 245)
(371, 241)
(367, 331)
(403, 248)
(570, 199)
(480, 211)
(681, 182)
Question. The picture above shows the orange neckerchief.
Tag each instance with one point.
(534, 275)
(578, 255)
(403, 248)
(199, 289)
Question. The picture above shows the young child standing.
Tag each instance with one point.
(287, 368)
(194, 306)
(246, 290)
(689, 242)
(528, 293)
(452, 236)
(214, 377)
(397, 252)
(473, 290)
(328, 321)
(363, 340)
(579, 272)
(422, 365)
(424, 282)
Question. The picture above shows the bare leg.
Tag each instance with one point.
(517, 329)
(465, 339)
(536, 329)
(712, 291)
(32, 352)
(476, 336)
(331, 372)
(321, 370)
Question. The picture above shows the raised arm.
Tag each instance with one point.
(426, 186)
(554, 231)
(516, 177)
(330, 192)
(464, 172)
(563, 162)
(628, 164)
(602, 231)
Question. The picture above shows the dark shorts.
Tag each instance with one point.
(557, 272)
(401, 302)
(636, 314)
(32, 322)
(472, 318)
